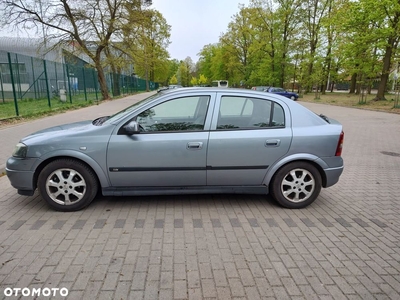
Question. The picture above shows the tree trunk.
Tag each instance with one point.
(387, 60)
(282, 76)
(326, 70)
(283, 64)
(102, 80)
(309, 86)
(147, 80)
(328, 59)
(385, 71)
(313, 47)
(360, 83)
(353, 83)
(294, 75)
(272, 55)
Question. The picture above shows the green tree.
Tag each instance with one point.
(205, 56)
(236, 44)
(313, 12)
(146, 42)
(328, 27)
(173, 80)
(173, 66)
(308, 43)
(364, 43)
(264, 22)
(183, 74)
(276, 26)
(193, 81)
(385, 14)
(190, 69)
(202, 80)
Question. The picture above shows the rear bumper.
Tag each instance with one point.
(332, 175)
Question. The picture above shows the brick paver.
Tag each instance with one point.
(344, 246)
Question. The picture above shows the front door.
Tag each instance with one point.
(169, 151)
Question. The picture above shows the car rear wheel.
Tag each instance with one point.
(67, 185)
(293, 98)
(296, 185)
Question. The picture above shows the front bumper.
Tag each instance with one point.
(20, 174)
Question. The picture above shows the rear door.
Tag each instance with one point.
(247, 136)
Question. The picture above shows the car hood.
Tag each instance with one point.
(65, 129)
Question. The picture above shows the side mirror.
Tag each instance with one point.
(132, 128)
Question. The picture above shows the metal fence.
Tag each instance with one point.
(30, 85)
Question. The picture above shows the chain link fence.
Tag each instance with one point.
(30, 85)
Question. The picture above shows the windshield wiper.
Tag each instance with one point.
(99, 121)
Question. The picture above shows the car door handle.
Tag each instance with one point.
(272, 143)
(195, 145)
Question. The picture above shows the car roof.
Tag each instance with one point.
(212, 89)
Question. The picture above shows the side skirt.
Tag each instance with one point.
(147, 191)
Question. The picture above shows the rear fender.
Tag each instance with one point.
(295, 157)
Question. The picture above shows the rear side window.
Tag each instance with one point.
(249, 113)
(236, 107)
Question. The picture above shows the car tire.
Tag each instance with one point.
(293, 98)
(67, 185)
(296, 185)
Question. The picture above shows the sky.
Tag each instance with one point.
(196, 23)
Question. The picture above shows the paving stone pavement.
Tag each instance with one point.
(346, 245)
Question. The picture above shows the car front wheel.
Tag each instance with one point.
(67, 185)
(293, 98)
(296, 185)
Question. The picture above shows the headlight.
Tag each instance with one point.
(20, 150)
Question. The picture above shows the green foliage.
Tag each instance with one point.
(145, 41)
(193, 81)
(306, 44)
(208, 57)
(202, 80)
(173, 80)
(183, 74)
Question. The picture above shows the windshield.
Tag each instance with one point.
(126, 111)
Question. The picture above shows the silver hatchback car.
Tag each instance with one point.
(192, 140)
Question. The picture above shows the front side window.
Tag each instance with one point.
(249, 113)
(182, 114)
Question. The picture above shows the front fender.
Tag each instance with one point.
(294, 157)
(101, 174)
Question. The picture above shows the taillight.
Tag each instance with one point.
(340, 144)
